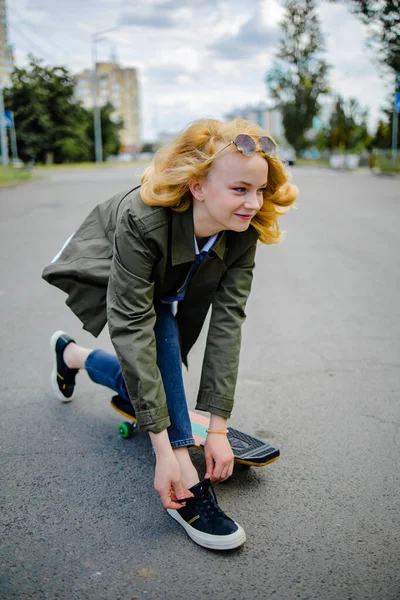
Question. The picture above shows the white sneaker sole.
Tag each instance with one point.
(213, 542)
(54, 383)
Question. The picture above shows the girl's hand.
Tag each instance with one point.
(167, 482)
(219, 457)
(167, 479)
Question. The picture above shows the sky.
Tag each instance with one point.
(195, 58)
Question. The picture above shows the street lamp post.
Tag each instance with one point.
(98, 145)
(3, 133)
(395, 124)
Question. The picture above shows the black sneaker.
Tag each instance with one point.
(62, 377)
(205, 522)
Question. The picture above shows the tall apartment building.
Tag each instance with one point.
(120, 87)
(6, 54)
(269, 119)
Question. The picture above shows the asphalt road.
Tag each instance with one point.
(319, 377)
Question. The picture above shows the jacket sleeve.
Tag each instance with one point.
(131, 318)
(221, 358)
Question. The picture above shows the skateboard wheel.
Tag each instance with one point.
(125, 430)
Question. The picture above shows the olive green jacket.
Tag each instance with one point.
(127, 254)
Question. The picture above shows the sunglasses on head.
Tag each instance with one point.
(247, 146)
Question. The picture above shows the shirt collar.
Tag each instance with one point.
(210, 242)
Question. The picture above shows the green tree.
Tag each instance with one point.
(383, 19)
(299, 75)
(109, 132)
(32, 120)
(347, 129)
(49, 120)
(383, 135)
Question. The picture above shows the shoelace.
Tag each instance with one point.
(206, 501)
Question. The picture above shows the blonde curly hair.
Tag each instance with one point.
(191, 155)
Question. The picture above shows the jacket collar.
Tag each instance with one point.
(220, 245)
(182, 247)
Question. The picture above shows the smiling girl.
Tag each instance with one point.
(150, 262)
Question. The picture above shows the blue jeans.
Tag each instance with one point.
(103, 368)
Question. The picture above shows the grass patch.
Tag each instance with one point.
(13, 175)
(386, 165)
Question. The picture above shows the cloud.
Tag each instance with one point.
(253, 37)
(150, 20)
(170, 74)
(194, 59)
(162, 14)
(147, 16)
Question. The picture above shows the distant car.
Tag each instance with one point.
(288, 155)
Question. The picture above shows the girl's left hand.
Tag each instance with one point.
(219, 457)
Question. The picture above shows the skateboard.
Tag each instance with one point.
(247, 449)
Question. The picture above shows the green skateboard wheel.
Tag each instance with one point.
(125, 430)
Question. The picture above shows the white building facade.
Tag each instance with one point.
(118, 86)
(269, 119)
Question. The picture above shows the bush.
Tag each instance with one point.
(386, 165)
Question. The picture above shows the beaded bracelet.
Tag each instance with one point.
(215, 431)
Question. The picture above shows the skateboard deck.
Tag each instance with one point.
(247, 449)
